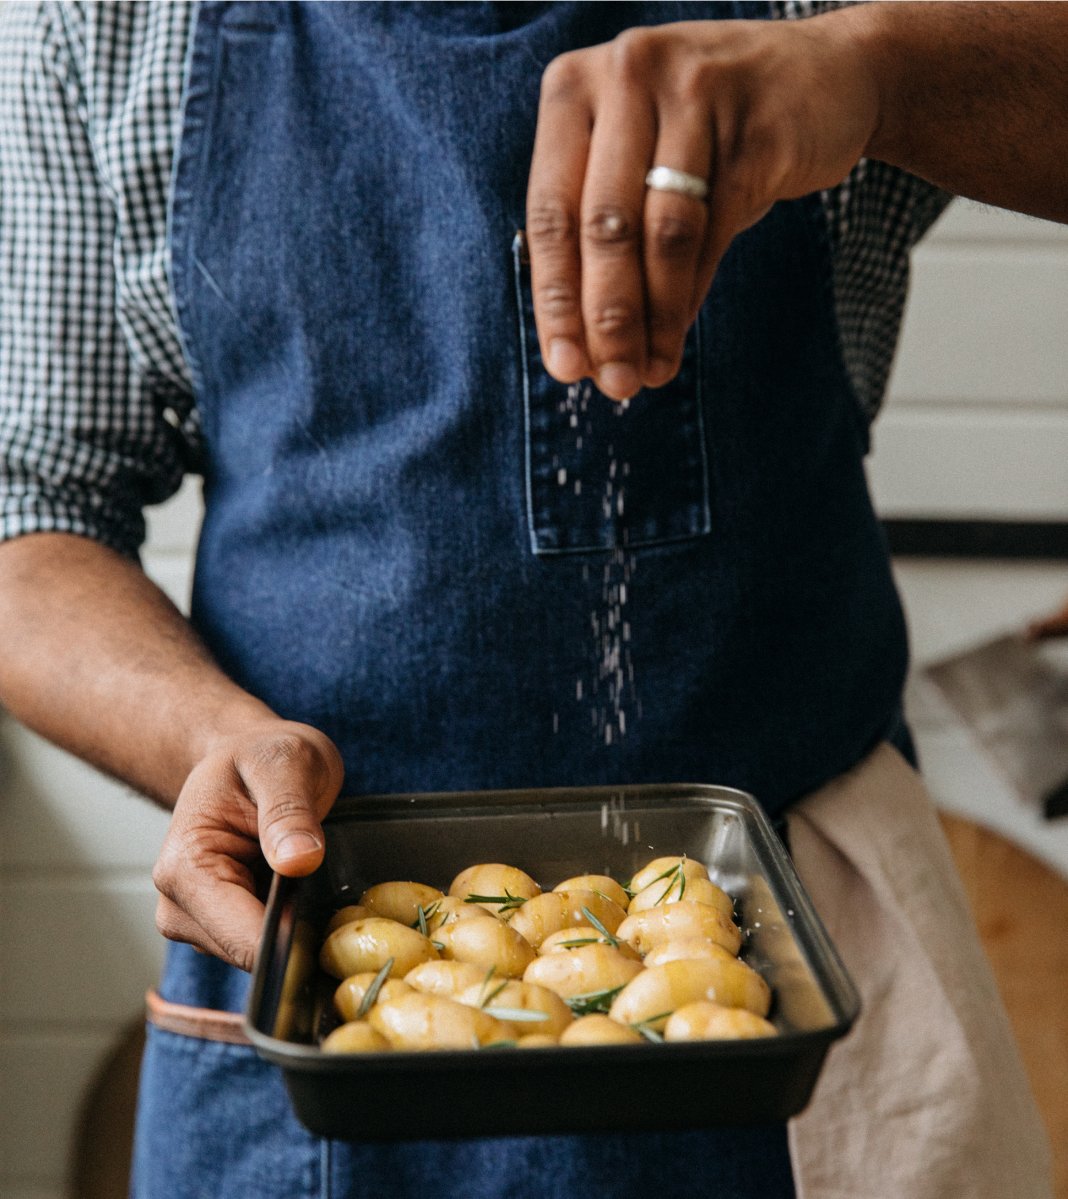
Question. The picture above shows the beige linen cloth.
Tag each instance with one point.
(927, 1097)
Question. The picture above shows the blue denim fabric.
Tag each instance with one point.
(215, 1122)
(380, 554)
(395, 549)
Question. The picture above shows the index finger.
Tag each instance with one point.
(554, 196)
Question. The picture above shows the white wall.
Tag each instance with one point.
(978, 424)
(78, 944)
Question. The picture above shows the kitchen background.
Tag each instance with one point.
(976, 430)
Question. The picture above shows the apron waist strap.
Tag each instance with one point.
(207, 1024)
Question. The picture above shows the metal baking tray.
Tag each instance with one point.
(552, 835)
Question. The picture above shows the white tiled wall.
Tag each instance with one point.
(984, 364)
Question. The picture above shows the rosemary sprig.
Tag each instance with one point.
(494, 993)
(613, 941)
(505, 902)
(678, 878)
(370, 996)
(425, 914)
(517, 1015)
(593, 1001)
(645, 1027)
(580, 941)
(676, 875)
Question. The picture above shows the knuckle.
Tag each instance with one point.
(286, 750)
(238, 955)
(550, 223)
(164, 872)
(563, 78)
(692, 84)
(611, 226)
(164, 926)
(673, 237)
(631, 53)
(614, 320)
(289, 807)
(557, 299)
(166, 923)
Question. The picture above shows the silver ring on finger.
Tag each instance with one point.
(667, 179)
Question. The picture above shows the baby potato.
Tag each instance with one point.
(369, 943)
(536, 1040)
(399, 901)
(599, 1030)
(443, 977)
(494, 878)
(549, 1014)
(546, 914)
(650, 997)
(608, 887)
(350, 994)
(488, 944)
(346, 915)
(452, 908)
(704, 1021)
(433, 1022)
(677, 921)
(670, 890)
(574, 938)
(355, 1037)
(688, 949)
(660, 867)
(582, 971)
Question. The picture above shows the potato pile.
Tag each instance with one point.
(498, 962)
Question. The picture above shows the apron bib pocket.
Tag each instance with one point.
(602, 475)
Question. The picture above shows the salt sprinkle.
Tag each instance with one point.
(611, 693)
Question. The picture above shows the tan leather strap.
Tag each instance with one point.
(203, 1022)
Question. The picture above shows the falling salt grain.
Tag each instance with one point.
(561, 476)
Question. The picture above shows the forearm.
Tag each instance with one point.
(98, 660)
(971, 96)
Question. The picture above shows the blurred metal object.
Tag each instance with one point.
(1012, 694)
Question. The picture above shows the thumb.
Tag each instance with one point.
(293, 779)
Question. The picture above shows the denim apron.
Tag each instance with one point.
(466, 574)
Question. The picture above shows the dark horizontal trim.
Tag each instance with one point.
(978, 538)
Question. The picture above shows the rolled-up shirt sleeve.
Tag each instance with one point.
(88, 435)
